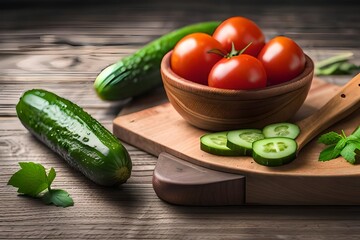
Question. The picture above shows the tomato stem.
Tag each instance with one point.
(217, 51)
(244, 49)
(235, 52)
(232, 53)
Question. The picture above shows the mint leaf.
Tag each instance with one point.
(352, 138)
(58, 197)
(338, 148)
(332, 151)
(341, 144)
(30, 180)
(356, 133)
(329, 138)
(328, 153)
(346, 146)
(348, 152)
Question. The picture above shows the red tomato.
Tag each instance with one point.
(239, 72)
(283, 60)
(240, 31)
(191, 58)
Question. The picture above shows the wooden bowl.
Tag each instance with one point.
(216, 109)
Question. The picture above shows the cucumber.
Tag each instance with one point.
(72, 133)
(215, 143)
(241, 140)
(284, 129)
(140, 72)
(274, 151)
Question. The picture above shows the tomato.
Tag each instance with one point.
(240, 31)
(239, 72)
(191, 58)
(283, 60)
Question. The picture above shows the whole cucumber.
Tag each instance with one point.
(140, 72)
(72, 133)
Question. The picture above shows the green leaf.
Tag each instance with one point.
(58, 197)
(346, 146)
(340, 144)
(51, 176)
(336, 65)
(356, 133)
(31, 179)
(334, 59)
(329, 138)
(347, 68)
(352, 138)
(330, 70)
(342, 68)
(328, 153)
(348, 152)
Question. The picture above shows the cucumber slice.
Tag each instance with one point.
(215, 143)
(241, 140)
(274, 151)
(288, 130)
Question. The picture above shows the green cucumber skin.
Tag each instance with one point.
(214, 148)
(292, 130)
(140, 72)
(72, 133)
(274, 162)
(221, 152)
(241, 151)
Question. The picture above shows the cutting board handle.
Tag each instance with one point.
(345, 101)
(183, 183)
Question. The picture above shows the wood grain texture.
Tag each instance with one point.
(162, 129)
(154, 130)
(344, 102)
(61, 45)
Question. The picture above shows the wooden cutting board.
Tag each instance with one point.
(303, 181)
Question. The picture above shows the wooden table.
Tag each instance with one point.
(63, 46)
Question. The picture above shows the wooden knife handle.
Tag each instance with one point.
(345, 101)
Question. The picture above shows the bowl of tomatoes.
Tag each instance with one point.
(235, 79)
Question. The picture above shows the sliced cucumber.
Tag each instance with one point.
(241, 140)
(284, 129)
(274, 151)
(215, 143)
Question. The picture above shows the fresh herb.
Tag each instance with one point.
(58, 197)
(32, 180)
(336, 65)
(340, 145)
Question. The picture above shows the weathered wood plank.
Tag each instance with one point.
(38, 71)
(62, 45)
(18, 145)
